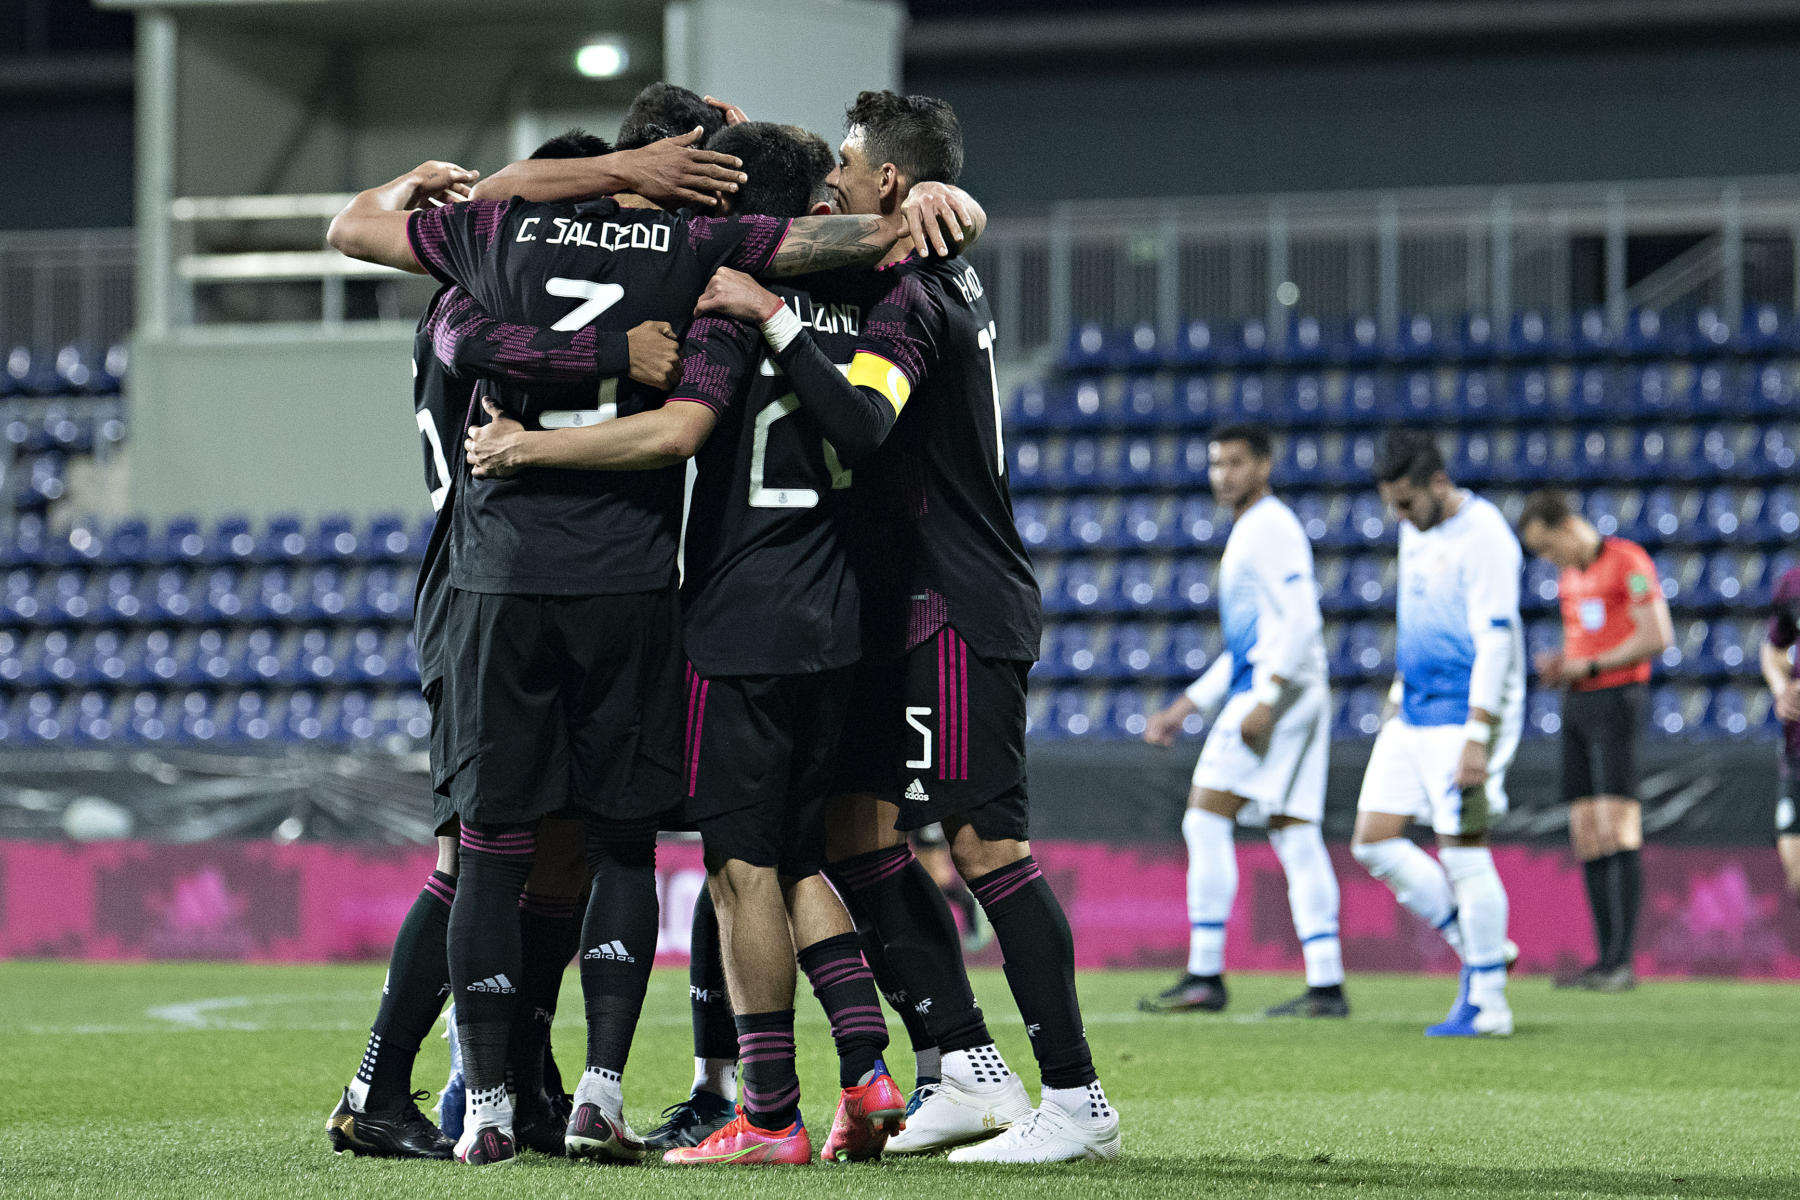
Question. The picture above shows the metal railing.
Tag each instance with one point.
(67, 286)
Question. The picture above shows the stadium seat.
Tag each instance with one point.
(1359, 715)
(1249, 344)
(1763, 331)
(1194, 345)
(1417, 340)
(1303, 400)
(1360, 342)
(1528, 336)
(1306, 344)
(1086, 348)
(1543, 712)
(1203, 523)
(1589, 335)
(1475, 338)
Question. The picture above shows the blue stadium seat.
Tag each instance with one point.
(1080, 406)
(233, 540)
(1369, 523)
(1360, 342)
(1306, 343)
(1079, 587)
(1763, 331)
(1729, 575)
(1364, 399)
(1093, 522)
(1735, 713)
(1144, 401)
(1529, 396)
(1359, 715)
(1027, 465)
(1778, 520)
(1303, 400)
(1134, 463)
(1769, 389)
(1481, 456)
(1203, 522)
(1537, 591)
(181, 542)
(283, 540)
(1589, 335)
(1772, 454)
(1475, 338)
(1127, 712)
(1418, 398)
(1086, 348)
(1681, 573)
(1707, 332)
(1031, 516)
(1252, 399)
(392, 536)
(1074, 712)
(1193, 584)
(1731, 646)
(1728, 513)
(1668, 515)
(1194, 345)
(1477, 396)
(1149, 523)
(1083, 467)
(385, 594)
(1678, 710)
(1417, 340)
(1597, 455)
(1030, 407)
(1320, 516)
(1249, 344)
(1647, 333)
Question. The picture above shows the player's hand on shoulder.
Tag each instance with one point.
(732, 293)
(655, 355)
(941, 219)
(441, 183)
(495, 450)
(677, 173)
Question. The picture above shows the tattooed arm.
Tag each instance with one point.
(934, 217)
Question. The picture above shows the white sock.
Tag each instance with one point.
(980, 1066)
(1482, 910)
(601, 1087)
(716, 1075)
(1087, 1103)
(1212, 879)
(1416, 881)
(492, 1107)
(1313, 899)
(928, 1063)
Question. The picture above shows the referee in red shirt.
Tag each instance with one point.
(1615, 621)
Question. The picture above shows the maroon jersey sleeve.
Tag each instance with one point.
(747, 243)
(451, 241)
(899, 328)
(469, 341)
(1784, 622)
(716, 356)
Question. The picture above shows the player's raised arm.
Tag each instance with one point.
(372, 226)
(675, 173)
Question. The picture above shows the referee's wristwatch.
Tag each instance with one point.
(1593, 668)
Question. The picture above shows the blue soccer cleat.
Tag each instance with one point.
(1467, 1019)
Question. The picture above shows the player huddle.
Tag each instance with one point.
(829, 652)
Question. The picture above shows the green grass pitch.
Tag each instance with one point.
(214, 1080)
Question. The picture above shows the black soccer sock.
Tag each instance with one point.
(418, 981)
(618, 936)
(1033, 933)
(911, 944)
(548, 931)
(1624, 887)
(1594, 872)
(484, 946)
(767, 1078)
(846, 991)
(715, 1033)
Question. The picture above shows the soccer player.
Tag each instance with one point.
(1461, 706)
(377, 1114)
(771, 629)
(1615, 622)
(952, 622)
(1266, 754)
(1778, 673)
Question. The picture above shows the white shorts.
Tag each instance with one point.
(1412, 773)
(1288, 781)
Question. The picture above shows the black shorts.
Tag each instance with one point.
(1600, 732)
(549, 700)
(940, 731)
(1787, 806)
(760, 755)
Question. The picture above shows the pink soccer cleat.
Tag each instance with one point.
(740, 1143)
(867, 1115)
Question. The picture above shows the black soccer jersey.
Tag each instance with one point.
(766, 590)
(586, 269)
(935, 514)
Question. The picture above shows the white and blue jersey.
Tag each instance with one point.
(1459, 640)
(1268, 607)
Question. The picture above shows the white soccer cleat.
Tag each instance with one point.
(950, 1113)
(1048, 1134)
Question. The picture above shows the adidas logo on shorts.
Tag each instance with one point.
(613, 951)
(915, 791)
(500, 985)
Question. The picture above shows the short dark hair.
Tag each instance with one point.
(664, 110)
(918, 134)
(576, 142)
(1548, 506)
(786, 165)
(1409, 454)
(1253, 436)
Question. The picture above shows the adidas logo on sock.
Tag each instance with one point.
(498, 984)
(915, 791)
(613, 951)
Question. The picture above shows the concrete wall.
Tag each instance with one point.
(1266, 123)
(275, 422)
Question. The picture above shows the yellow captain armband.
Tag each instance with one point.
(877, 373)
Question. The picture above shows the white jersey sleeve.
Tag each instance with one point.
(1493, 612)
(1208, 692)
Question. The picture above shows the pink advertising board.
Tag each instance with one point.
(1707, 910)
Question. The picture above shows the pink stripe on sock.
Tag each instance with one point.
(437, 888)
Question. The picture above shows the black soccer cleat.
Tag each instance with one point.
(402, 1132)
(1313, 1002)
(1609, 979)
(539, 1125)
(1191, 993)
(691, 1122)
(1577, 979)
